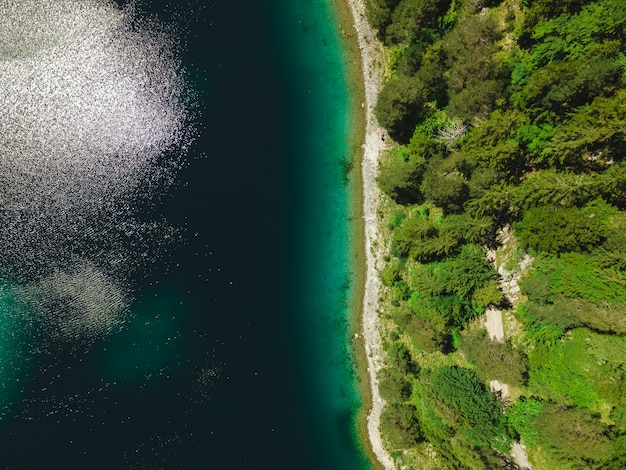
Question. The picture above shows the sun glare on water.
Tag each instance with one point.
(95, 120)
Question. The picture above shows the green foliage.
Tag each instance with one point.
(456, 338)
(474, 101)
(579, 279)
(414, 19)
(425, 133)
(422, 240)
(464, 273)
(481, 180)
(597, 22)
(469, 50)
(489, 294)
(605, 349)
(428, 336)
(573, 58)
(574, 290)
(618, 458)
(519, 419)
(573, 432)
(600, 359)
(612, 252)
(467, 455)
(543, 150)
(585, 369)
(393, 386)
(402, 168)
(400, 107)
(466, 228)
(423, 141)
(445, 292)
(453, 448)
(494, 145)
(594, 134)
(444, 183)
(379, 13)
(400, 292)
(435, 430)
(431, 70)
(533, 138)
(556, 188)
(400, 357)
(560, 86)
(406, 21)
(551, 379)
(613, 185)
(494, 360)
(557, 230)
(391, 273)
(575, 276)
(571, 313)
(399, 425)
(407, 58)
(400, 175)
(442, 312)
(494, 202)
(469, 406)
(559, 312)
(427, 240)
(396, 219)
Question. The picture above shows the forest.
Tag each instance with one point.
(504, 190)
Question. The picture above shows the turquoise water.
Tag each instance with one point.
(15, 360)
(237, 351)
(321, 245)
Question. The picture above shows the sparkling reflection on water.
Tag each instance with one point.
(96, 119)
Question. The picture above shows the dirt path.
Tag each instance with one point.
(519, 454)
(372, 77)
(493, 323)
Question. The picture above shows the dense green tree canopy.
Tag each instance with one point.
(471, 404)
(556, 229)
(509, 122)
(400, 107)
(574, 432)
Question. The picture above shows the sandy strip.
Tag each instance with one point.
(492, 320)
(372, 75)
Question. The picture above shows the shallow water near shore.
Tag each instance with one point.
(236, 354)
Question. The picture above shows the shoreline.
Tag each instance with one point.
(364, 66)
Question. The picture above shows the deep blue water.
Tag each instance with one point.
(236, 356)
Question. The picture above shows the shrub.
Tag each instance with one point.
(400, 107)
(489, 294)
(465, 273)
(574, 432)
(425, 335)
(470, 405)
(519, 419)
(391, 273)
(470, 49)
(399, 425)
(494, 359)
(400, 174)
(393, 386)
(558, 230)
(399, 355)
(444, 183)
(420, 239)
(379, 14)
(492, 144)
